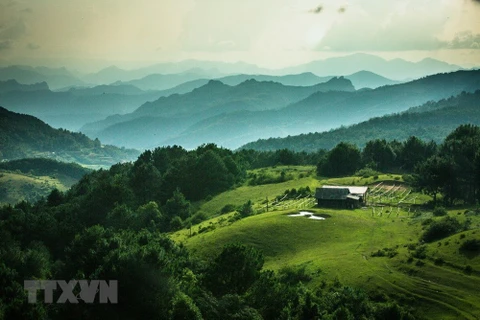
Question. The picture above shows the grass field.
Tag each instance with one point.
(15, 187)
(437, 279)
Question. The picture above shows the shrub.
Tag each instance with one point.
(441, 229)
(366, 173)
(439, 212)
(419, 263)
(227, 208)
(420, 252)
(468, 269)
(472, 245)
(427, 221)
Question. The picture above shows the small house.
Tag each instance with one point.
(341, 196)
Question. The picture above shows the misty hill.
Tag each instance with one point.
(325, 110)
(397, 69)
(73, 108)
(431, 121)
(24, 136)
(123, 89)
(55, 77)
(205, 69)
(164, 81)
(302, 79)
(361, 79)
(13, 85)
(212, 99)
(367, 79)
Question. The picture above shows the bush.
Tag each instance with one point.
(227, 208)
(472, 245)
(366, 173)
(441, 229)
(468, 269)
(385, 252)
(427, 221)
(439, 212)
(420, 252)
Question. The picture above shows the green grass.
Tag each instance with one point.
(15, 187)
(257, 194)
(342, 245)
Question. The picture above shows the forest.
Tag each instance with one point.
(114, 224)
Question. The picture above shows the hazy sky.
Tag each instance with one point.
(270, 33)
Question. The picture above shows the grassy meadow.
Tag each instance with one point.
(15, 187)
(378, 249)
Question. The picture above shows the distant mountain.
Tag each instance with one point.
(13, 85)
(233, 116)
(175, 113)
(183, 88)
(164, 81)
(397, 69)
(24, 136)
(367, 79)
(431, 121)
(122, 89)
(73, 108)
(205, 69)
(324, 111)
(302, 79)
(55, 78)
(361, 79)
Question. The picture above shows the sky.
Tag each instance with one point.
(91, 34)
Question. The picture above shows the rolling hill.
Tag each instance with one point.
(377, 251)
(31, 179)
(324, 111)
(24, 136)
(397, 69)
(73, 108)
(171, 115)
(233, 116)
(55, 77)
(431, 121)
(361, 79)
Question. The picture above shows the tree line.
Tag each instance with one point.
(112, 224)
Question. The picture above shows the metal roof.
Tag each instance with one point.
(351, 189)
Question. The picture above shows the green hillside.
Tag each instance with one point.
(24, 136)
(31, 179)
(17, 186)
(430, 121)
(378, 251)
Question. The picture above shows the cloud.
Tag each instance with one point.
(14, 31)
(464, 40)
(33, 46)
(316, 10)
(4, 45)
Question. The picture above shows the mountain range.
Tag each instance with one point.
(233, 116)
(167, 117)
(430, 121)
(57, 78)
(72, 108)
